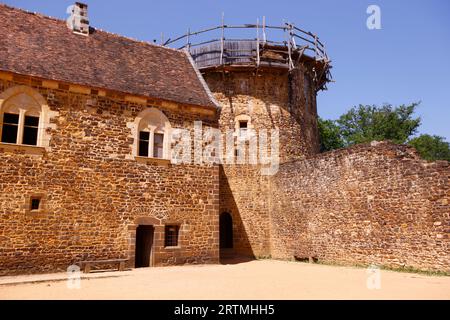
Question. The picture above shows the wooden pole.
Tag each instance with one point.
(290, 47)
(315, 45)
(325, 52)
(264, 29)
(291, 34)
(222, 39)
(188, 41)
(257, 42)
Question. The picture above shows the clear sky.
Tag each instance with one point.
(407, 60)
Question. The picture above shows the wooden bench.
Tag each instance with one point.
(86, 265)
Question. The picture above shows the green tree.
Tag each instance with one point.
(367, 123)
(330, 135)
(431, 147)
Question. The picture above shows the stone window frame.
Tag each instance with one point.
(179, 225)
(237, 122)
(242, 139)
(42, 205)
(25, 100)
(243, 117)
(155, 121)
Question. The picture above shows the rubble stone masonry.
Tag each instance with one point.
(369, 204)
(268, 99)
(94, 193)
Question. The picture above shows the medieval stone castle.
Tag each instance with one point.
(86, 173)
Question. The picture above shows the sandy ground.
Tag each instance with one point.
(264, 279)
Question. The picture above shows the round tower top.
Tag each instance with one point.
(215, 48)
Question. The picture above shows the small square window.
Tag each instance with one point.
(243, 127)
(35, 204)
(171, 236)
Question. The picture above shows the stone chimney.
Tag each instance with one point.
(78, 21)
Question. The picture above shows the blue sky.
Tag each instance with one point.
(407, 60)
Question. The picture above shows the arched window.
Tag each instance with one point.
(152, 134)
(22, 113)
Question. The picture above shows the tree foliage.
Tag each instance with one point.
(368, 123)
(431, 147)
(330, 137)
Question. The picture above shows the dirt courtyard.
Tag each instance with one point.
(263, 279)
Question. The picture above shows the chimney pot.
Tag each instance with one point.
(78, 21)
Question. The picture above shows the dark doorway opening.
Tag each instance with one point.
(226, 231)
(144, 243)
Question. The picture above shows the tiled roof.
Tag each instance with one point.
(36, 45)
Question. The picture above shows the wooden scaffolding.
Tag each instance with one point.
(220, 51)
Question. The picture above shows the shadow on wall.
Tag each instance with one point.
(241, 247)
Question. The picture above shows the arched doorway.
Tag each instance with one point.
(226, 231)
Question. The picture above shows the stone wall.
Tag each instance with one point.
(94, 193)
(369, 204)
(272, 99)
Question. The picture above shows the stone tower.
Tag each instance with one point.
(261, 84)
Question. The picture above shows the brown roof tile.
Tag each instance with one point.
(44, 47)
